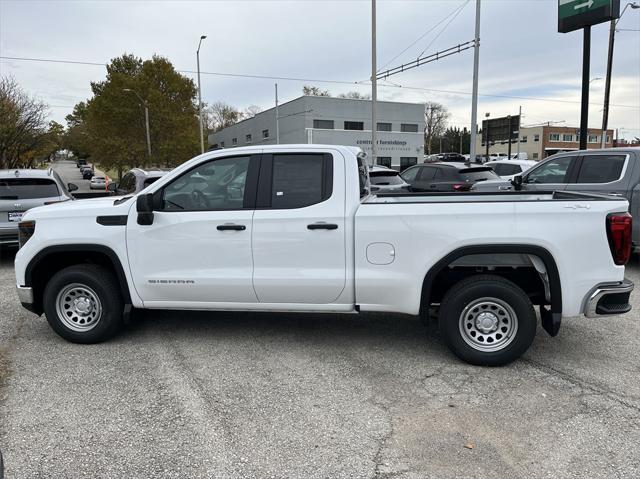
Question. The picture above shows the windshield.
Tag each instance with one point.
(24, 188)
(478, 174)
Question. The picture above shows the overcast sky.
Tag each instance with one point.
(522, 55)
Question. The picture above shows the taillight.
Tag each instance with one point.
(619, 235)
(25, 231)
(462, 187)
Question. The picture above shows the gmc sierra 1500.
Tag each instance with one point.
(295, 228)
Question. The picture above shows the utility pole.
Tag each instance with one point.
(461, 142)
(509, 139)
(146, 117)
(519, 123)
(474, 99)
(586, 64)
(374, 87)
(277, 119)
(202, 37)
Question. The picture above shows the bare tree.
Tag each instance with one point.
(251, 111)
(23, 126)
(221, 115)
(355, 95)
(436, 116)
(311, 90)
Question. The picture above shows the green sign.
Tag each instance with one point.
(575, 14)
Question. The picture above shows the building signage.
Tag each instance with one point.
(576, 14)
(501, 129)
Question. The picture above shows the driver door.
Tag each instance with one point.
(197, 251)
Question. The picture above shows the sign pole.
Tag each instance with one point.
(374, 87)
(584, 113)
(509, 139)
(518, 137)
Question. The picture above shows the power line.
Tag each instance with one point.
(445, 27)
(425, 34)
(342, 82)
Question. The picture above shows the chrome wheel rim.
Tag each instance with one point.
(488, 324)
(78, 307)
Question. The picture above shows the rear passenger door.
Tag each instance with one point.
(602, 173)
(552, 175)
(298, 237)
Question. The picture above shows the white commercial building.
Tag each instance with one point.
(339, 121)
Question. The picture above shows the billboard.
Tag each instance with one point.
(576, 14)
(501, 129)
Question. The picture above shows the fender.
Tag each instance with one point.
(77, 248)
(551, 319)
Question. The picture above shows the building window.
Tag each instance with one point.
(407, 161)
(384, 161)
(535, 156)
(234, 141)
(536, 137)
(608, 139)
(567, 137)
(323, 124)
(384, 126)
(409, 128)
(523, 139)
(554, 136)
(354, 125)
(593, 138)
(247, 138)
(265, 134)
(222, 144)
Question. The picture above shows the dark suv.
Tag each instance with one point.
(21, 190)
(446, 176)
(137, 180)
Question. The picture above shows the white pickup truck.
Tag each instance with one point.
(295, 228)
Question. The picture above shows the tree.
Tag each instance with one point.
(23, 126)
(355, 95)
(310, 90)
(251, 111)
(436, 116)
(453, 138)
(110, 126)
(222, 115)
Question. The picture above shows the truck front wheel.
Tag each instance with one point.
(83, 304)
(487, 320)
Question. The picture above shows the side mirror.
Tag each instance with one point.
(72, 187)
(517, 182)
(144, 206)
(112, 187)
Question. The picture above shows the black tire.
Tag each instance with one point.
(487, 320)
(102, 284)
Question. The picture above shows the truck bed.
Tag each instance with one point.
(486, 197)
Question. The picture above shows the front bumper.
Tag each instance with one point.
(25, 295)
(608, 299)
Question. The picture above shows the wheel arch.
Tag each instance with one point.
(555, 287)
(52, 259)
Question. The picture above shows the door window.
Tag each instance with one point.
(300, 180)
(553, 171)
(428, 173)
(215, 185)
(410, 174)
(601, 168)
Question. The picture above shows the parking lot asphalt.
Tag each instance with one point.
(235, 395)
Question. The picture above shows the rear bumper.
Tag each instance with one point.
(608, 299)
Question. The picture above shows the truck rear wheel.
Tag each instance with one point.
(83, 304)
(487, 320)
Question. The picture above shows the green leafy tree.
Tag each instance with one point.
(311, 90)
(110, 126)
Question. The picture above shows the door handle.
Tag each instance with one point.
(231, 227)
(322, 226)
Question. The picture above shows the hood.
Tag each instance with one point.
(86, 207)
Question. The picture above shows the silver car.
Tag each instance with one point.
(21, 190)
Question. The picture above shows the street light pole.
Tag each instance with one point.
(202, 37)
(607, 87)
(474, 98)
(146, 117)
(277, 118)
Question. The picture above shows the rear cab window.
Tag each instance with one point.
(26, 188)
